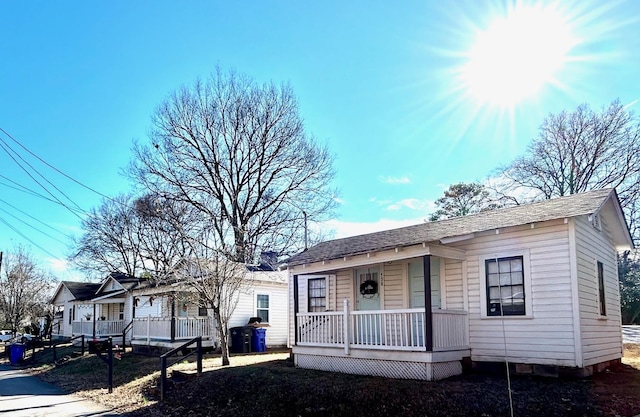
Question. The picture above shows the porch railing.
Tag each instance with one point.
(383, 329)
(159, 328)
(103, 327)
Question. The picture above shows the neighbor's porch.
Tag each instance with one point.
(98, 320)
(154, 335)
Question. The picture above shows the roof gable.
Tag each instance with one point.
(80, 291)
(562, 207)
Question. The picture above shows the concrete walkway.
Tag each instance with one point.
(24, 395)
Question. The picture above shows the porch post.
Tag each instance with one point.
(428, 315)
(173, 319)
(94, 320)
(295, 309)
(345, 327)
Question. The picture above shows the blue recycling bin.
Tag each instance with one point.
(16, 353)
(259, 340)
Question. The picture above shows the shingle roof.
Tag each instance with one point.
(81, 290)
(129, 282)
(569, 206)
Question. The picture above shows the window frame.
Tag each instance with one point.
(310, 297)
(602, 298)
(267, 309)
(526, 276)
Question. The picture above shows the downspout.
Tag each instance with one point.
(428, 315)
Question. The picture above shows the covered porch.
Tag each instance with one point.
(167, 331)
(394, 316)
(103, 318)
(165, 320)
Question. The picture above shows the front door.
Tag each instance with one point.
(368, 289)
(367, 326)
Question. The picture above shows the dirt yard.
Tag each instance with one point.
(269, 385)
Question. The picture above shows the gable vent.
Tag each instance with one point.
(595, 221)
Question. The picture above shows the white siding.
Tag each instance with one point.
(453, 290)
(546, 336)
(146, 307)
(601, 335)
(394, 280)
(277, 332)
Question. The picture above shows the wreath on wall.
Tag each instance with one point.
(369, 288)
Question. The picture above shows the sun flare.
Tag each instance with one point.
(517, 55)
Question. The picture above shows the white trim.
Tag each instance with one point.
(103, 297)
(452, 239)
(526, 269)
(327, 293)
(255, 303)
(366, 260)
(604, 288)
(575, 294)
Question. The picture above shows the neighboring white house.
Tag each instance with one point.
(166, 315)
(536, 284)
(154, 318)
(95, 310)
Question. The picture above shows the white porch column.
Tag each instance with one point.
(345, 327)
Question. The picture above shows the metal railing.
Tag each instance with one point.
(164, 363)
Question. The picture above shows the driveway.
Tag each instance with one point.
(24, 395)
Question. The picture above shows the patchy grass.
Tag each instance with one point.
(632, 355)
(269, 385)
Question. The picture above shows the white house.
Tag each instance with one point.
(166, 315)
(155, 318)
(95, 310)
(536, 285)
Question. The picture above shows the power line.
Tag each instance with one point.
(26, 238)
(52, 167)
(30, 216)
(35, 180)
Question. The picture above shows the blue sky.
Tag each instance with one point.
(410, 96)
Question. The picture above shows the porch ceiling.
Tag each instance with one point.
(374, 257)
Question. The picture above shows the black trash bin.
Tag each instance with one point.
(241, 339)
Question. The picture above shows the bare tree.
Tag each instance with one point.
(110, 239)
(629, 277)
(214, 280)
(238, 152)
(24, 290)
(580, 151)
(462, 199)
(133, 236)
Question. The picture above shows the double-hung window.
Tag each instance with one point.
(505, 286)
(262, 307)
(317, 295)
